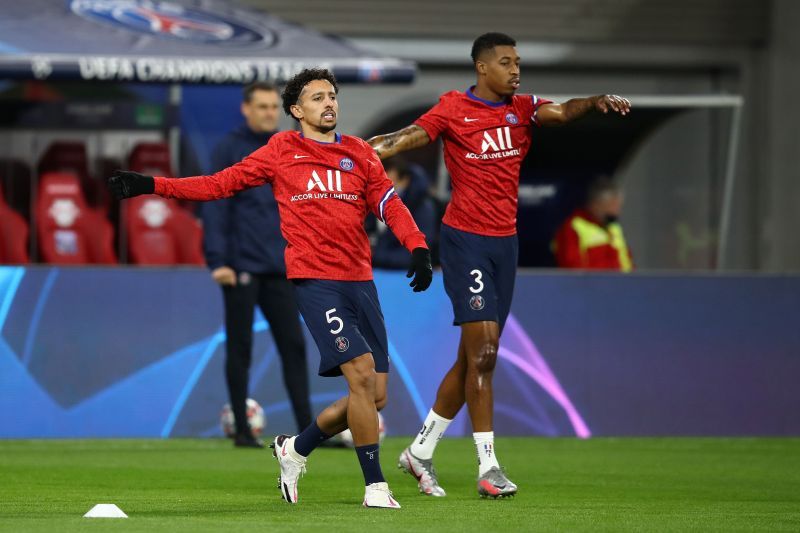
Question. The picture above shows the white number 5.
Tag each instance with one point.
(332, 319)
(479, 288)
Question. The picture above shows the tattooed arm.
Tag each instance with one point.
(391, 144)
(556, 114)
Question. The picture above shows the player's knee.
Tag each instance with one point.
(361, 378)
(485, 357)
(363, 383)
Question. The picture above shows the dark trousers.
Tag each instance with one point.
(274, 294)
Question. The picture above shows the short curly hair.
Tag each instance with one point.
(291, 93)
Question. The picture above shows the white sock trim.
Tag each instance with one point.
(484, 448)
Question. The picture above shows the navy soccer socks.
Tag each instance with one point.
(308, 440)
(368, 457)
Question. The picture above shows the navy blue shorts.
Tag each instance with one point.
(346, 321)
(479, 274)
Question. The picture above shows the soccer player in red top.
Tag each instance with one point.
(324, 184)
(487, 130)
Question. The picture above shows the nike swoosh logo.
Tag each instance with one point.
(470, 119)
(299, 156)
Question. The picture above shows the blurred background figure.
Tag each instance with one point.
(412, 185)
(592, 238)
(244, 249)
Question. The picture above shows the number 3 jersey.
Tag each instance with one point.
(323, 192)
(484, 145)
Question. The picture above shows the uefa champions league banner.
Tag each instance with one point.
(118, 352)
(174, 41)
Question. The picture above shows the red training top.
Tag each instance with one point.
(323, 192)
(484, 145)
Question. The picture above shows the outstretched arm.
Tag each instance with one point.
(408, 138)
(557, 114)
(254, 170)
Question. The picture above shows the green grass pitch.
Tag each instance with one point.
(658, 484)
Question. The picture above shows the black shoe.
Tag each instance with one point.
(243, 440)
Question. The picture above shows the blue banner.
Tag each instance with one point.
(90, 352)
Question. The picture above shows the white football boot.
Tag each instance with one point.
(379, 495)
(291, 468)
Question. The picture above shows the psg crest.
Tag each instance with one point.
(477, 302)
(511, 118)
(342, 344)
(174, 21)
(346, 164)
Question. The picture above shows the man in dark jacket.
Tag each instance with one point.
(411, 184)
(244, 250)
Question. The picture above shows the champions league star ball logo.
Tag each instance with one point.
(174, 21)
(346, 164)
(477, 302)
(511, 118)
(342, 344)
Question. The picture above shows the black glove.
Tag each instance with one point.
(420, 269)
(125, 184)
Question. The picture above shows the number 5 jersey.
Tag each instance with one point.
(324, 191)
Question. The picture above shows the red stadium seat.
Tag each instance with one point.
(66, 156)
(70, 157)
(13, 235)
(60, 214)
(68, 231)
(151, 158)
(154, 159)
(160, 232)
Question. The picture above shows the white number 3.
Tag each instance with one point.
(332, 319)
(479, 288)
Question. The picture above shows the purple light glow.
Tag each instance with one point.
(534, 365)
